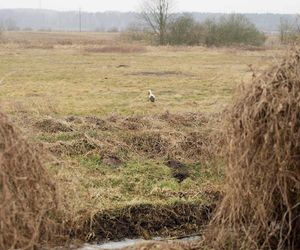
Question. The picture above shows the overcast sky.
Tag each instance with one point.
(244, 6)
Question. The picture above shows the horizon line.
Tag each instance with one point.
(132, 11)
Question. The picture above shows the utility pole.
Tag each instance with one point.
(79, 19)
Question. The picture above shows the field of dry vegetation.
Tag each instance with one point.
(125, 167)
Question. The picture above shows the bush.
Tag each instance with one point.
(185, 31)
(231, 30)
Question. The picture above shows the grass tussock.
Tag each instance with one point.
(28, 197)
(261, 206)
(51, 125)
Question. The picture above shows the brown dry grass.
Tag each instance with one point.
(116, 49)
(28, 197)
(114, 144)
(261, 207)
(186, 136)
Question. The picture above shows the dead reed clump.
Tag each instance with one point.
(27, 195)
(261, 206)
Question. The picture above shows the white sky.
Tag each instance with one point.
(243, 6)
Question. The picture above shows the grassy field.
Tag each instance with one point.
(82, 98)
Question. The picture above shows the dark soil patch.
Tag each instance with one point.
(123, 66)
(112, 160)
(146, 221)
(179, 170)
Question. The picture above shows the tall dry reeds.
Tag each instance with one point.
(261, 207)
(27, 196)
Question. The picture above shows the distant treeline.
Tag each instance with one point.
(30, 19)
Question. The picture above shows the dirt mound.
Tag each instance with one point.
(146, 221)
(51, 125)
(112, 160)
(261, 206)
(27, 196)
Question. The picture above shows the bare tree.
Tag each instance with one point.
(157, 14)
(289, 30)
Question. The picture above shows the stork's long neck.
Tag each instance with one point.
(150, 92)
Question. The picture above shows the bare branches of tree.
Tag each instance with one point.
(157, 14)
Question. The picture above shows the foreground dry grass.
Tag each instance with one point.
(82, 98)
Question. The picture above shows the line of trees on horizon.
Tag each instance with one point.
(158, 23)
(164, 27)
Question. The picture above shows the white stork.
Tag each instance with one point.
(151, 96)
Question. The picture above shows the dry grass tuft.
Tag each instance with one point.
(51, 125)
(27, 196)
(152, 143)
(261, 207)
(71, 148)
(187, 119)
